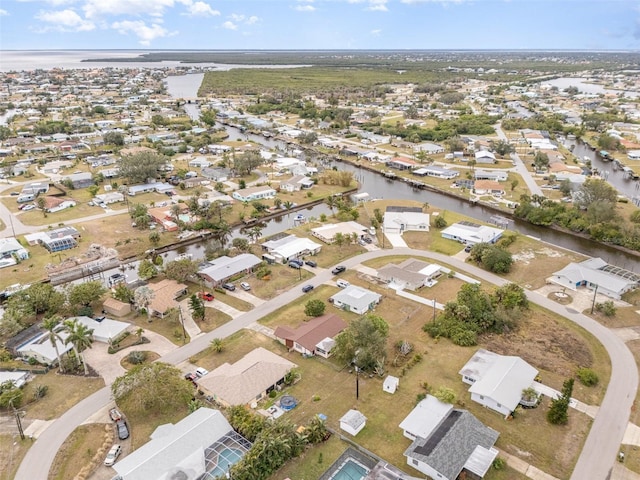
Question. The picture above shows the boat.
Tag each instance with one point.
(604, 155)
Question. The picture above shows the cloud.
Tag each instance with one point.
(377, 6)
(154, 8)
(145, 33)
(64, 21)
(443, 2)
(229, 25)
(376, 32)
(237, 18)
(201, 9)
(305, 8)
(3, 12)
(251, 20)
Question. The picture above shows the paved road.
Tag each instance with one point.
(597, 457)
(521, 168)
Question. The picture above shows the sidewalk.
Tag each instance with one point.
(524, 468)
(192, 328)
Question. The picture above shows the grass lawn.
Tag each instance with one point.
(12, 451)
(83, 449)
(631, 457)
(150, 357)
(169, 326)
(142, 425)
(63, 393)
(282, 278)
(634, 347)
(213, 319)
(232, 301)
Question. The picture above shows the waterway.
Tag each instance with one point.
(380, 187)
(583, 85)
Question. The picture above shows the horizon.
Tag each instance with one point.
(320, 25)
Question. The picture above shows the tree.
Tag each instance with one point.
(247, 162)
(93, 190)
(147, 269)
(558, 411)
(10, 395)
(181, 270)
(241, 244)
(85, 294)
(217, 345)
(492, 257)
(156, 387)
(154, 238)
(141, 167)
(142, 298)
(52, 325)
(196, 305)
(514, 183)
(113, 138)
(80, 337)
(445, 395)
(314, 308)
(541, 160)
(362, 343)
(40, 298)
(503, 148)
(595, 190)
(41, 203)
(123, 293)
(208, 117)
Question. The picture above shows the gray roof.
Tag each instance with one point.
(452, 443)
(225, 267)
(354, 419)
(173, 444)
(392, 272)
(356, 297)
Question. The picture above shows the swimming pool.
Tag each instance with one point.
(227, 458)
(350, 470)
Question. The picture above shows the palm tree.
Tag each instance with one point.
(50, 325)
(142, 298)
(332, 202)
(175, 212)
(222, 232)
(80, 337)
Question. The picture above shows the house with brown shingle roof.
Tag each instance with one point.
(487, 187)
(165, 294)
(248, 380)
(314, 337)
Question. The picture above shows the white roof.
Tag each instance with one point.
(425, 417)
(174, 445)
(8, 245)
(104, 330)
(395, 219)
(356, 297)
(41, 346)
(296, 246)
(590, 271)
(503, 378)
(225, 267)
(485, 154)
(472, 234)
(353, 418)
(481, 460)
(17, 378)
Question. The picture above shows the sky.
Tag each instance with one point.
(320, 24)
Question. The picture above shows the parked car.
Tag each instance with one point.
(115, 414)
(192, 377)
(117, 278)
(28, 207)
(295, 260)
(201, 372)
(468, 248)
(14, 194)
(296, 265)
(307, 288)
(245, 286)
(367, 239)
(206, 296)
(113, 455)
(342, 283)
(311, 263)
(123, 430)
(229, 286)
(338, 269)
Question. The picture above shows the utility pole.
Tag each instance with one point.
(593, 304)
(184, 332)
(16, 413)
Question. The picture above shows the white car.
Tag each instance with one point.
(245, 286)
(113, 455)
(31, 206)
(201, 372)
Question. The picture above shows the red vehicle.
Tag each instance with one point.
(206, 296)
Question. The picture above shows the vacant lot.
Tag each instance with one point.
(12, 451)
(81, 450)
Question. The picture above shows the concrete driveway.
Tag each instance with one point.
(247, 297)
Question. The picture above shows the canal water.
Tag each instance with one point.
(380, 187)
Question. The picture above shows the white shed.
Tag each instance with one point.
(391, 384)
(353, 422)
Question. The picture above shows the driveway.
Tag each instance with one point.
(224, 308)
(247, 297)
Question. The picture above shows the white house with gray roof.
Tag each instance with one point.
(221, 269)
(595, 273)
(189, 450)
(448, 441)
(471, 233)
(290, 247)
(497, 381)
(356, 299)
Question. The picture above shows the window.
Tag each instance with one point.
(415, 462)
(481, 397)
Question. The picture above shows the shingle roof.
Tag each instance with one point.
(310, 333)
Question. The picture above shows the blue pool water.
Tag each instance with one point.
(350, 470)
(227, 457)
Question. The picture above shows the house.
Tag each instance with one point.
(471, 233)
(248, 380)
(159, 187)
(189, 449)
(199, 162)
(484, 156)
(42, 350)
(405, 219)
(448, 441)
(497, 381)
(10, 247)
(217, 174)
(327, 233)
(58, 233)
(296, 183)
(411, 274)
(356, 299)
(436, 172)
(353, 422)
(57, 204)
(487, 187)
(595, 273)
(80, 180)
(254, 193)
(391, 384)
(314, 337)
(18, 378)
(218, 271)
(165, 218)
(496, 176)
(110, 197)
(428, 148)
(105, 330)
(115, 307)
(291, 247)
(165, 294)
(400, 163)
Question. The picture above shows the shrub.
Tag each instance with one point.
(273, 394)
(587, 377)
(445, 395)
(137, 357)
(40, 391)
(608, 308)
(499, 464)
